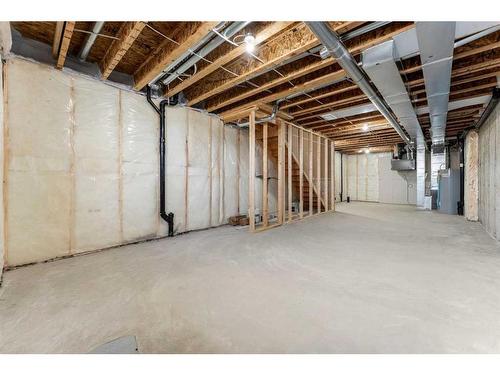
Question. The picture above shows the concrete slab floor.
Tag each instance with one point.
(370, 278)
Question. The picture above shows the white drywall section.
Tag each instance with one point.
(83, 166)
(489, 174)
(368, 177)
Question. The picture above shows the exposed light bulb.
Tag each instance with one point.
(367, 150)
(249, 43)
(365, 127)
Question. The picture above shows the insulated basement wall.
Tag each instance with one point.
(82, 166)
(489, 174)
(2, 212)
(368, 177)
(471, 171)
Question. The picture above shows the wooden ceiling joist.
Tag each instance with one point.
(127, 34)
(263, 36)
(301, 71)
(168, 52)
(64, 45)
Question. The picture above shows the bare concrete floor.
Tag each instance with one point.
(370, 278)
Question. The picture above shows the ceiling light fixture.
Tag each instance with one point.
(249, 43)
(367, 150)
(365, 127)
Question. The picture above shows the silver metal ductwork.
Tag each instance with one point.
(379, 64)
(96, 29)
(336, 48)
(436, 42)
(230, 31)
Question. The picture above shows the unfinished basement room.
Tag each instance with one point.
(246, 187)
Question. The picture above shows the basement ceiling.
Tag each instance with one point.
(285, 65)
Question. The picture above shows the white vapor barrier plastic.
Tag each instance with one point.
(243, 172)
(38, 177)
(2, 245)
(231, 172)
(82, 166)
(216, 149)
(139, 168)
(198, 171)
(489, 174)
(96, 145)
(370, 178)
(176, 166)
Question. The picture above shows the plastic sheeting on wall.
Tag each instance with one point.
(38, 180)
(489, 175)
(2, 245)
(370, 178)
(82, 169)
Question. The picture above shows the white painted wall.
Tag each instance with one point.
(368, 177)
(489, 174)
(82, 166)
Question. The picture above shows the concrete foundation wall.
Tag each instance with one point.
(489, 174)
(368, 177)
(82, 166)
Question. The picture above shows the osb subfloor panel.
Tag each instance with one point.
(370, 278)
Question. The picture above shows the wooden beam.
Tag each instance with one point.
(261, 37)
(301, 173)
(332, 174)
(281, 169)
(65, 41)
(251, 171)
(168, 52)
(127, 34)
(325, 185)
(58, 32)
(355, 49)
(290, 142)
(265, 201)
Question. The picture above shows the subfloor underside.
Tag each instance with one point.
(370, 278)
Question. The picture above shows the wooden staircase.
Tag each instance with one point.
(273, 153)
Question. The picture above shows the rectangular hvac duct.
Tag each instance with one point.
(379, 64)
(436, 42)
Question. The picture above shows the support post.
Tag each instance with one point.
(265, 203)
(318, 169)
(281, 170)
(332, 173)
(327, 192)
(301, 173)
(251, 171)
(290, 140)
(311, 172)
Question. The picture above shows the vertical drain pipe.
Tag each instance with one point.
(169, 218)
